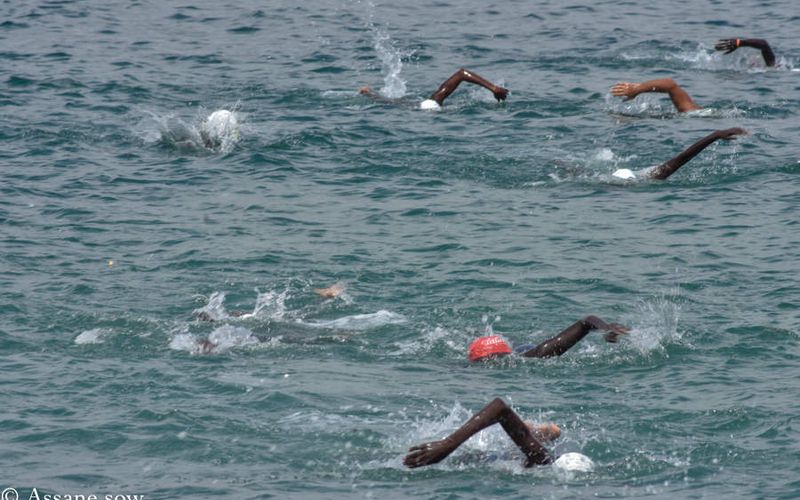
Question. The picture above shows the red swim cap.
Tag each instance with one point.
(492, 345)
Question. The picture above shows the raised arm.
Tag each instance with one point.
(562, 342)
(495, 412)
(668, 168)
(451, 84)
(679, 97)
(731, 44)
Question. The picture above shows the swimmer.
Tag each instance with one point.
(668, 168)
(436, 100)
(526, 436)
(731, 44)
(493, 346)
(679, 97)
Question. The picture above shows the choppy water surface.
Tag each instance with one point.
(125, 215)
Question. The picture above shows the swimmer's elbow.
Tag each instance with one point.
(499, 403)
(670, 84)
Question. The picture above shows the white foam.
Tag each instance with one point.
(574, 462)
(431, 338)
(232, 336)
(93, 336)
(214, 309)
(184, 342)
(605, 154)
(360, 321)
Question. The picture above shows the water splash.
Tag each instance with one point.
(394, 87)
(657, 106)
(229, 336)
(217, 132)
(93, 336)
(359, 321)
(224, 338)
(269, 305)
(656, 324)
(706, 58)
(214, 309)
(431, 339)
(220, 131)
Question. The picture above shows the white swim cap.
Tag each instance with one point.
(574, 462)
(624, 173)
(220, 127)
(429, 104)
(221, 123)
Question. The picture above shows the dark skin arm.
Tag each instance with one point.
(495, 412)
(462, 75)
(679, 97)
(668, 168)
(562, 342)
(730, 44)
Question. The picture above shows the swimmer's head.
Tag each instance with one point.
(574, 462)
(365, 91)
(624, 173)
(487, 347)
(221, 125)
(429, 104)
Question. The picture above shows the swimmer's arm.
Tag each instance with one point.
(451, 84)
(495, 412)
(679, 97)
(668, 168)
(571, 335)
(730, 44)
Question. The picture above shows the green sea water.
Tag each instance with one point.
(118, 226)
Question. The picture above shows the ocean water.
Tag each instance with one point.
(120, 223)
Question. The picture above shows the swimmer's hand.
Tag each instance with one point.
(428, 453)
(727, 44)
(545, 432)
(613, 331)
(331, 292)
(500, 93)
(730, 133)
(628, 90)
(367, 91)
